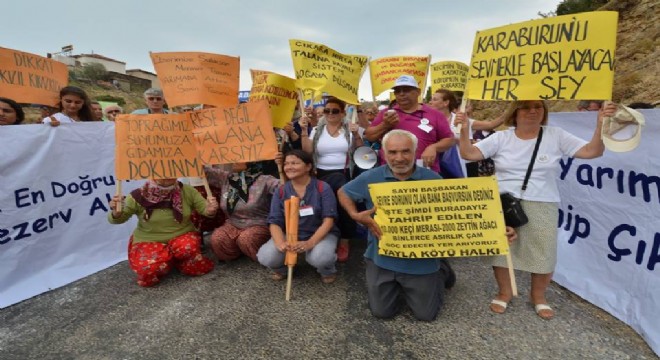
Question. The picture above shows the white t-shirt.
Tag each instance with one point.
(59, 117)
(512, 155)
(453, 128)
(331, 151)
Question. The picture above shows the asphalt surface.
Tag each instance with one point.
(238, 312)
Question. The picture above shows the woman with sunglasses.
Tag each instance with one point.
(74, 106)
(332, 143)
(536, 249)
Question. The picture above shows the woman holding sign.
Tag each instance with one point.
(247, 194)
(317, 233)
(74, 106)
(165, 235)
(511, 150)
(332, 143)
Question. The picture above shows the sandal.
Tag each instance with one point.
(277, 276)
(544, 311)
(498, 306)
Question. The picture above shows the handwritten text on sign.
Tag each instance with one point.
(237, 134)
(157, 146)
(321, 68)
(562, 57)
(29, 78)
(280, 92)
(197, 78)
(385, 71)
(440, 218)
(449, 75)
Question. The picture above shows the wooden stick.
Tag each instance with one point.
(118, 192)
(280, 167)
(289, 281)
(512, 275)
(207, 187)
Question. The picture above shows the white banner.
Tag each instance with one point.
(609, 226)
(53, 206)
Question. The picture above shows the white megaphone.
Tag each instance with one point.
(365, 157)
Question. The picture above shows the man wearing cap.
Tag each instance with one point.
(427, 124)
(155, 102)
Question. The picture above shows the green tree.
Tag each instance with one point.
(567, 7)
(94, 71)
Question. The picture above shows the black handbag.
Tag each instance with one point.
(514, 215)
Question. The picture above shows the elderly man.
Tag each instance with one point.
(421, 282)
(429, 125)
(111, 111)
(155, 102)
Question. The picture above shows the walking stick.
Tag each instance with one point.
(291, 211)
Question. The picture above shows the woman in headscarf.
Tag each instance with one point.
(165, 235)
(246, 196)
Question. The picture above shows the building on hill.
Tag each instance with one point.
(143, 74)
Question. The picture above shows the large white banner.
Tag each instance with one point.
(53, 206)
(609, 226)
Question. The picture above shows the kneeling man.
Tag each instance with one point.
(420, 282)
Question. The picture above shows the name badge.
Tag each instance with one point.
(306, 211)
(425, 127)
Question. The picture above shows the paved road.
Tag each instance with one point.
(237, 312)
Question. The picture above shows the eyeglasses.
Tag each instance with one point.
(113, 112)
(403, 89)
(155, 98)
(359, 111)
(331, 111)
(371, 113)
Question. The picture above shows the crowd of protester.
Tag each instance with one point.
(316, 164)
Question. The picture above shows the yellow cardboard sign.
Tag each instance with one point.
(197, 78)
(321, 68)
(30, 78)
(156, 146)
(254, 73)
(440, 218)
(384, 71)
(227, 135)
(567, 57)
(280, 92)
(449, 75)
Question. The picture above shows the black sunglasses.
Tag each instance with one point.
(157, 98)
(331, 111)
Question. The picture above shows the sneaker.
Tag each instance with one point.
(342, 252)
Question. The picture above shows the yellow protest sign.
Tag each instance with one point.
(255, 73)
(449, 75)
(280, 92)
(321, 68)
(384, 71)
(156, 146)
(440, 218)
(197, 78)
(227, 135)
(555, 58)
(29, 78)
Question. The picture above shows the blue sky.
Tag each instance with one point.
(258, 31)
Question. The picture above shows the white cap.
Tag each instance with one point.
(405, 80)
(623, 131)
